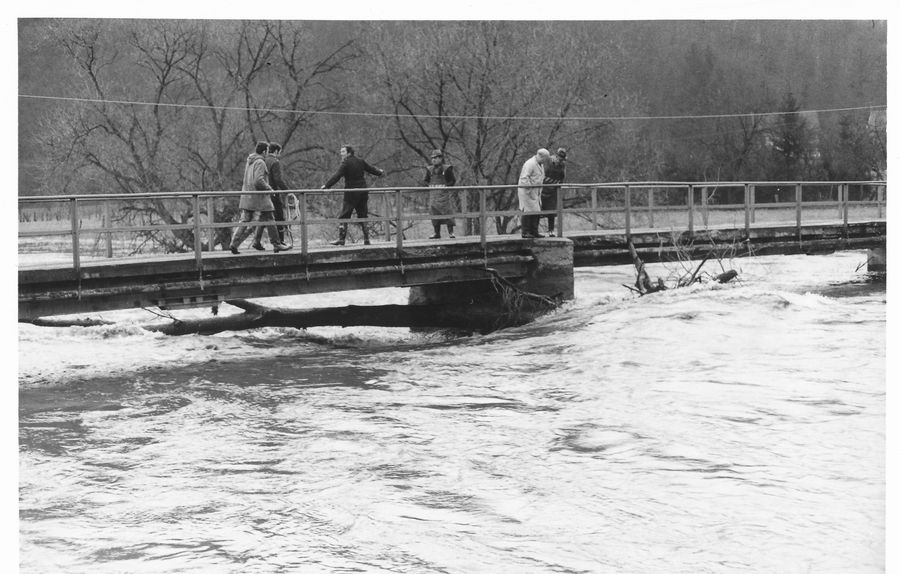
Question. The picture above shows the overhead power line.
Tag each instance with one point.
(451, 116)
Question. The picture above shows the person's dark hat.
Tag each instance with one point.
(561, 152)
(437, 153)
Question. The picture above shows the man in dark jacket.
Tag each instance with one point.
(353, 170)
(555, 172)
(276, 180)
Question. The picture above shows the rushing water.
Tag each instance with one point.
(726, 428)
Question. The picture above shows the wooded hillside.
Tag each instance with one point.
(146, 106)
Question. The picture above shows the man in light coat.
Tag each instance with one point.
(530, 181)
(257, 206)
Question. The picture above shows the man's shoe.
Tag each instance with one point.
(550, 234)
(282, 247)
(527, 236)
(258, 247)
(435, 236)
(337, 242)
(367, 242)
(451, 236)
(234, 249)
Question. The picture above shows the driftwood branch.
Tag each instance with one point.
(644, 286)
(502, 283)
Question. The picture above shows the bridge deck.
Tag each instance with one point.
(640, 235)
(168, 281)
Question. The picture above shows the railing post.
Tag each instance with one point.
(198, 243)
(628, 212)
(650, 207)
(560, 195)
(594, 208)
(386, 224)
(107, 225)
(399, 220)
(704, 205)
(482, 210)
(690, 204)
(464, 209)
(304, 229)
(846, 187)
(747, 208)
(880, 200)
(76, 247)
(752, 203)
(210, 219)
(798, 197)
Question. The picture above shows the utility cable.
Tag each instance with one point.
(452, 116)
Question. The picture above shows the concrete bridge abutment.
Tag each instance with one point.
(877, 260)
(551, 273)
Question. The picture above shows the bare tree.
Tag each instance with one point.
(174, 106)
(488, 93)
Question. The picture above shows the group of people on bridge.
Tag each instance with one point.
(539, 182)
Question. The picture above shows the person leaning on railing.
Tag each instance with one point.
(256, 207)
(530, 180)
(439, 176)
(356, 198)
(554, 173)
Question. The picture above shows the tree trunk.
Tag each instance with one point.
(483, 317)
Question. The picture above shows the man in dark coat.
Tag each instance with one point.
(353, 170)
(276, 180)
(554, 173)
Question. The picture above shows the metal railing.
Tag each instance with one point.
(591, 207)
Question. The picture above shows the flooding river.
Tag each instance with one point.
(727, 428)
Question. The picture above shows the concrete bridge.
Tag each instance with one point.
(592, 232)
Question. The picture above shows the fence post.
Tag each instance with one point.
(747, 208)
(690, 204)
(880, 200)
(386, 224)
(628, 212)
(560, 197)
(594, 208)
(107, 224)
(464, 209)
(76, 247)
(210, 219)
(752, 203)
(304, 229)
(198, 243)
(482, 200)
(399, 220)
(798, 197)
(846, 187)
(704, 206)
(650, 207)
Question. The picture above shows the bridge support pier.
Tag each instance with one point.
(550, 274)
(877, 260)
